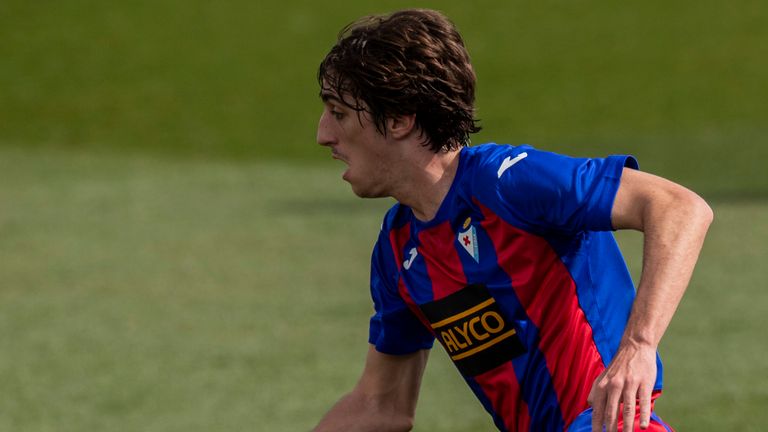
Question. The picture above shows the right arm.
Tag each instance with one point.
(384, 398)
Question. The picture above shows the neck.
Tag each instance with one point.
(426, 183)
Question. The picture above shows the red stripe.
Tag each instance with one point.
(501, 387)
(548, 293)
(406, 296)
(398, 238)
(444, 268)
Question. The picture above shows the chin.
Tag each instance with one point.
(367, 192)
(363, 193)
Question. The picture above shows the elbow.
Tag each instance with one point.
(401, 421)
(681, 207)
(700, 212)
(709, 214)
(388, 414)
(687, 210)
(405, 424)
(398, 421)
(392, 422)
(409, 423)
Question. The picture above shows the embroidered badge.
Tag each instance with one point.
(468, 240)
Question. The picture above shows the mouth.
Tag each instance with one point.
(339, 157)
(342, 158)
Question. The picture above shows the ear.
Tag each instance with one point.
(401, 126)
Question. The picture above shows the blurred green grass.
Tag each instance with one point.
(176, 254)
(158, 295)
(679, 84)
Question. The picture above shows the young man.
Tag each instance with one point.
(504, 254)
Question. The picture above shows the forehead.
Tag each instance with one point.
(332, 94)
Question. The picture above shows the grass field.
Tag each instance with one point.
(679, 84)
(176, 253)
(145, 294)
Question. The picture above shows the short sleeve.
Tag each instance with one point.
(394, 329)
(553, 192)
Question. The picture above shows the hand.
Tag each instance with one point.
(630, 377)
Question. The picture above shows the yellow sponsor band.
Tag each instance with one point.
(463, 314)
(483, 346)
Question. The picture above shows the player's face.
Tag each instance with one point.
(354, 140)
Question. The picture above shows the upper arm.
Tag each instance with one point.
(393, 380)
(642, 196)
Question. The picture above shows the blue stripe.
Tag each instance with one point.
(583, 422)
(416, 278)
(604, 288)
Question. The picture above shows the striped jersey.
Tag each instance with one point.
(517, 276)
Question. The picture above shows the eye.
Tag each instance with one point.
(336, 114)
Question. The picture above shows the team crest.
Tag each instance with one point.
(468, 240)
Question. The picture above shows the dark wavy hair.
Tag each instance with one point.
(409, 62)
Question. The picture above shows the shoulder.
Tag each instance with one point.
(497, 160)
(396, 217)
(490, 155)
(546, 191)
(525, 167)
(394, 228)
(488, 167)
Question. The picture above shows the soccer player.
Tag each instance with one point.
(504, 254)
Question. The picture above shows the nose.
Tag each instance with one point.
(324, 131)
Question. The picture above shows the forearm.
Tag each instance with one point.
(385, 397)
(674, 230)
(674, 221)
(356, 412)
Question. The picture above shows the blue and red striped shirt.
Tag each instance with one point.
(518, 276)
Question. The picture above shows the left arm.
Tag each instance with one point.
(674, 221)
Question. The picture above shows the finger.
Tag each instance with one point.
(629, 409)
(597, 400)
(611, 415)
(645, 405)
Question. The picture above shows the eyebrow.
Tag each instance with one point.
(328, 96)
